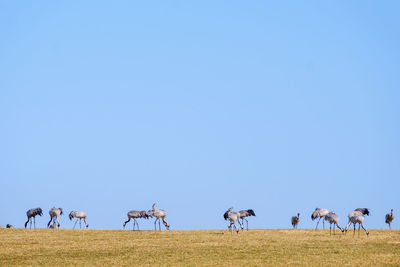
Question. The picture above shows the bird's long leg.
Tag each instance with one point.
(137, 225)
(155, 225)
(330, 229)
(159, 225)
(75, 223)
(234, 225)
(230, 225)
(80, 223)
(58, 222)
(323, 223)
(241, 224)
(87, 225)
(366, 231)
(34, 222)
(318, 223)
(334, 233)
(390, 227)
(354, 232)
(247, 224)
(359, 226)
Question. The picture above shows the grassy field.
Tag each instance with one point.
(195, 248)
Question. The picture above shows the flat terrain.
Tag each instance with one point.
(194, 248)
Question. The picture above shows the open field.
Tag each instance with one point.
(193, 248)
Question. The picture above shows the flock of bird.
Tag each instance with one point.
(355, 217)
(54, 213)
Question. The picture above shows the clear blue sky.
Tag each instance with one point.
(199, 106)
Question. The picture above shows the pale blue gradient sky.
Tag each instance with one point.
(277, 106)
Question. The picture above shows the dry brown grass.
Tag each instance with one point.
(194, 248)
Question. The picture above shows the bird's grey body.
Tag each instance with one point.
(332, 218)
(389, 218)
(135, 214)
(319, 213)
(244, 214)
(160, 215)
(54, 213)
(79, 215)
(32, 214)
(295, 220)
(357, 216)
(233, 216)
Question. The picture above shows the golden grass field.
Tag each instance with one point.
(196, 248)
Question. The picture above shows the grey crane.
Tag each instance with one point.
(7, 226)
(79, 215)
(32, 214)
(295, 220)
(319, 213)
(233, 216)
(244, 214)
(54, 213)
(357, 216)
(332, 218)
(135, 214)
(389, 218)
(160, 215)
